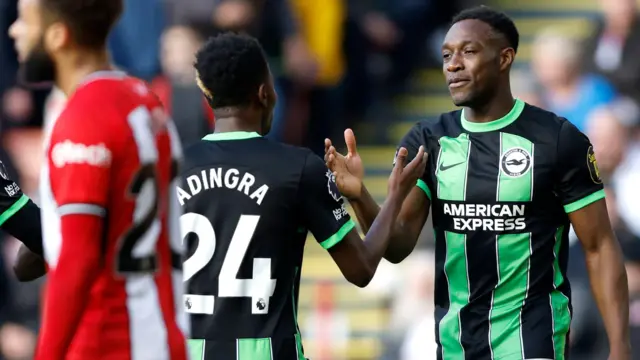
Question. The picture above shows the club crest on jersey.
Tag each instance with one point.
(332, 187)
(515, 162)
(592, 164)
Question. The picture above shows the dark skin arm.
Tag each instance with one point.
(357, 259)
(606, 273)
(407, 227)
(25, 225)
(29, 265)
(414, 210)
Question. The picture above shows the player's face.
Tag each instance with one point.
(472, 61)
(28, 32)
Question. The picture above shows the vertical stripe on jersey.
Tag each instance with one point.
(254, 349)
(294, 304)
(513, 252)
(452, 185)
(513, 257)
(196, 349)
(147, 327)
(559, 303)
(456, 270)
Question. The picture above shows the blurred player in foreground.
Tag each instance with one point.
(115, 280)
(248, 205)
(505, 183)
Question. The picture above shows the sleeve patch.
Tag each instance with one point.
(592, 164)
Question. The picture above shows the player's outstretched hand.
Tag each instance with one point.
(403, 178)
(348, 169)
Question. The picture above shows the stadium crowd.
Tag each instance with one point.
(334, 63)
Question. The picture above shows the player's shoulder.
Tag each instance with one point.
(115, 91)
(263, 152)
(428, 131)
(538, 119)
(106, 100)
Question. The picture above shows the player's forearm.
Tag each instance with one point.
(609, 285)
(377, 239)
(25, 225)
(366, 209)
(29, 265)
(70, 284)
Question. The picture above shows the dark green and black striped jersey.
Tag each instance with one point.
(500, 193)
(248, 204)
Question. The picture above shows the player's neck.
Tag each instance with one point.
(75, 67)
(235, 124)
(492, 110)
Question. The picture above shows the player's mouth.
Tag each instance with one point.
(457, 83)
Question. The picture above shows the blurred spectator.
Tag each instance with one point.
(177, 86)
(613, 48)
(420, 340)
(523, 87)
(134, 42)
(327, 327)
(314, 102)
(385, 41)
(566, 89)
(614, 133)
(410, 334)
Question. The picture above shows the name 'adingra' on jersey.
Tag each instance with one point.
(248, 204)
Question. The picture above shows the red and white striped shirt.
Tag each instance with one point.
(111, 236)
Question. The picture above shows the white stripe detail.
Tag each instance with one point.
(199, 304)
(147, 328)
(533, 165)
(81, 209)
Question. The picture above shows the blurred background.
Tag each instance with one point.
(373, 65)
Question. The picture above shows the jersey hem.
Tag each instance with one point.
(338, 236)
(587, 200)
(13, 209)
(422, 185)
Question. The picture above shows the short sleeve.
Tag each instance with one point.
(412, 142)
(12, 199)
(579, 183)
(80, 159)
(323, 207)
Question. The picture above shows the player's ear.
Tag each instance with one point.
(263, 95)
(56, 36)
(507, 56)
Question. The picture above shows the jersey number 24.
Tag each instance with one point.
(259, 288)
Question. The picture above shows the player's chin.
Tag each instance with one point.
(461, 98)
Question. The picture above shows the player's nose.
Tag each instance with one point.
(455, 64)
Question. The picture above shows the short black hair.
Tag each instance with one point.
(499, 21)
(90, 21)
(230, 69)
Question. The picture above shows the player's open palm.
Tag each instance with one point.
(404, 177)
(348, 169)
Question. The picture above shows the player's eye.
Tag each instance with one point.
(446, 56)
(469, 51)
